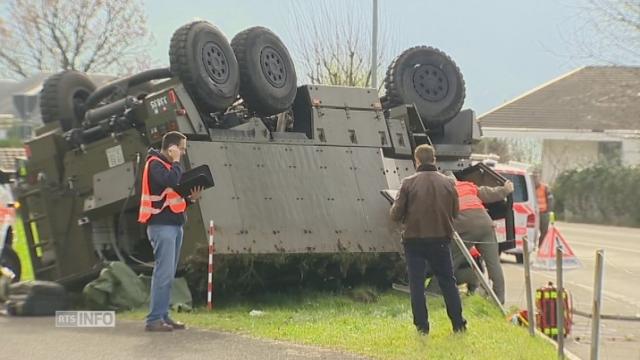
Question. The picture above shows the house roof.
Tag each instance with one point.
(595, 98)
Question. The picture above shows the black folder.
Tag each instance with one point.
(198, 176)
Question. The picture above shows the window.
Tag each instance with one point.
(520, 193)
(610, 152)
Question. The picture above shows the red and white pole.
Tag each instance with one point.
(210, 272)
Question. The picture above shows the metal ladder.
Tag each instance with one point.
(41, 250)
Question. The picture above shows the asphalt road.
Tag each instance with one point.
(621, 296)
(38, 338)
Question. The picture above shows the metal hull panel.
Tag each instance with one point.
(272, 198)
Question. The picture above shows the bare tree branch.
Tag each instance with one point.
(87, 35)
(609, 32)
(333, 44)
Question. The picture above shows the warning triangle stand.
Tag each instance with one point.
(546, 256)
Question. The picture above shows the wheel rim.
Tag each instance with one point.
(215, 63)
(273, 67)
(430, 83)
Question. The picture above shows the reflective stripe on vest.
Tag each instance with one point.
(468, 196)
(172, 199)
(541, 194)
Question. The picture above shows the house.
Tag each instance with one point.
(10, 117)
(590, 115)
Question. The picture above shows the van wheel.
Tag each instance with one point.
(520, 258)
(11, 260)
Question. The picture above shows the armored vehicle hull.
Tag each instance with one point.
(296, 170)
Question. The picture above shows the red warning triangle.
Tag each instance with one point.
(546, 257)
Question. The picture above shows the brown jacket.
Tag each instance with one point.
(478, 221)
(426, 204)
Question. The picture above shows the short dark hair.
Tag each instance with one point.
(172, 138)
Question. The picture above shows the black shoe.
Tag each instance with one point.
(423, 331)
(158, 326)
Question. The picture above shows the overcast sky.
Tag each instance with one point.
(503, 47)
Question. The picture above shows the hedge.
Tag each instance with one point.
(602, 194)
(246, 274)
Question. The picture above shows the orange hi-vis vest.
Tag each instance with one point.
(541, 194)
(172, 199)
(468, 196)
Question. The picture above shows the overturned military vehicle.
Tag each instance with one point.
(296, 169)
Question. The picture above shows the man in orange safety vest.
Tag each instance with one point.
(475, 227)
(162, 209)
(545, 204)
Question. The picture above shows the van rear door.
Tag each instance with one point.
(482, 175)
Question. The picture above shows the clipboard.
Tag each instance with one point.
(389, 194)
(198, 176)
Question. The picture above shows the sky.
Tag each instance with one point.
(503, 47)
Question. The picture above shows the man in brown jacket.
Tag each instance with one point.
(426, 204)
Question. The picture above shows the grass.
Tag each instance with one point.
(20, 246)
(381, 330)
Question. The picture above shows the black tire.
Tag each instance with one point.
(428, 78)
(11, 260)
(519, 258)
(268, 82)
(202, 58)
(63, 96)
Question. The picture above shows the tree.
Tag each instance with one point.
(523, 150)
(609, 31)
(333, 42)
(50, 35)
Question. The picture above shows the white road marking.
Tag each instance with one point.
(604, 246)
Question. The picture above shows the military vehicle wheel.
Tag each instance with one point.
(201, 57)
(63, 96)
(268, 81)
(428, 78)
(11, 260)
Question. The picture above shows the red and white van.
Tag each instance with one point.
(525, 206)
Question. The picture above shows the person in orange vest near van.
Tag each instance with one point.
(162, 209)
(545, 204)
(475, 227)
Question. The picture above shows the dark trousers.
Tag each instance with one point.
(438, 254)
(544, 226)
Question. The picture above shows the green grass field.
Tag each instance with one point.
(381, 330)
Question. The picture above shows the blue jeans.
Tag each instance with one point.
(166, 241)
(438, 255)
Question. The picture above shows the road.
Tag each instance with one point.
(38, 338)
(621, 296)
